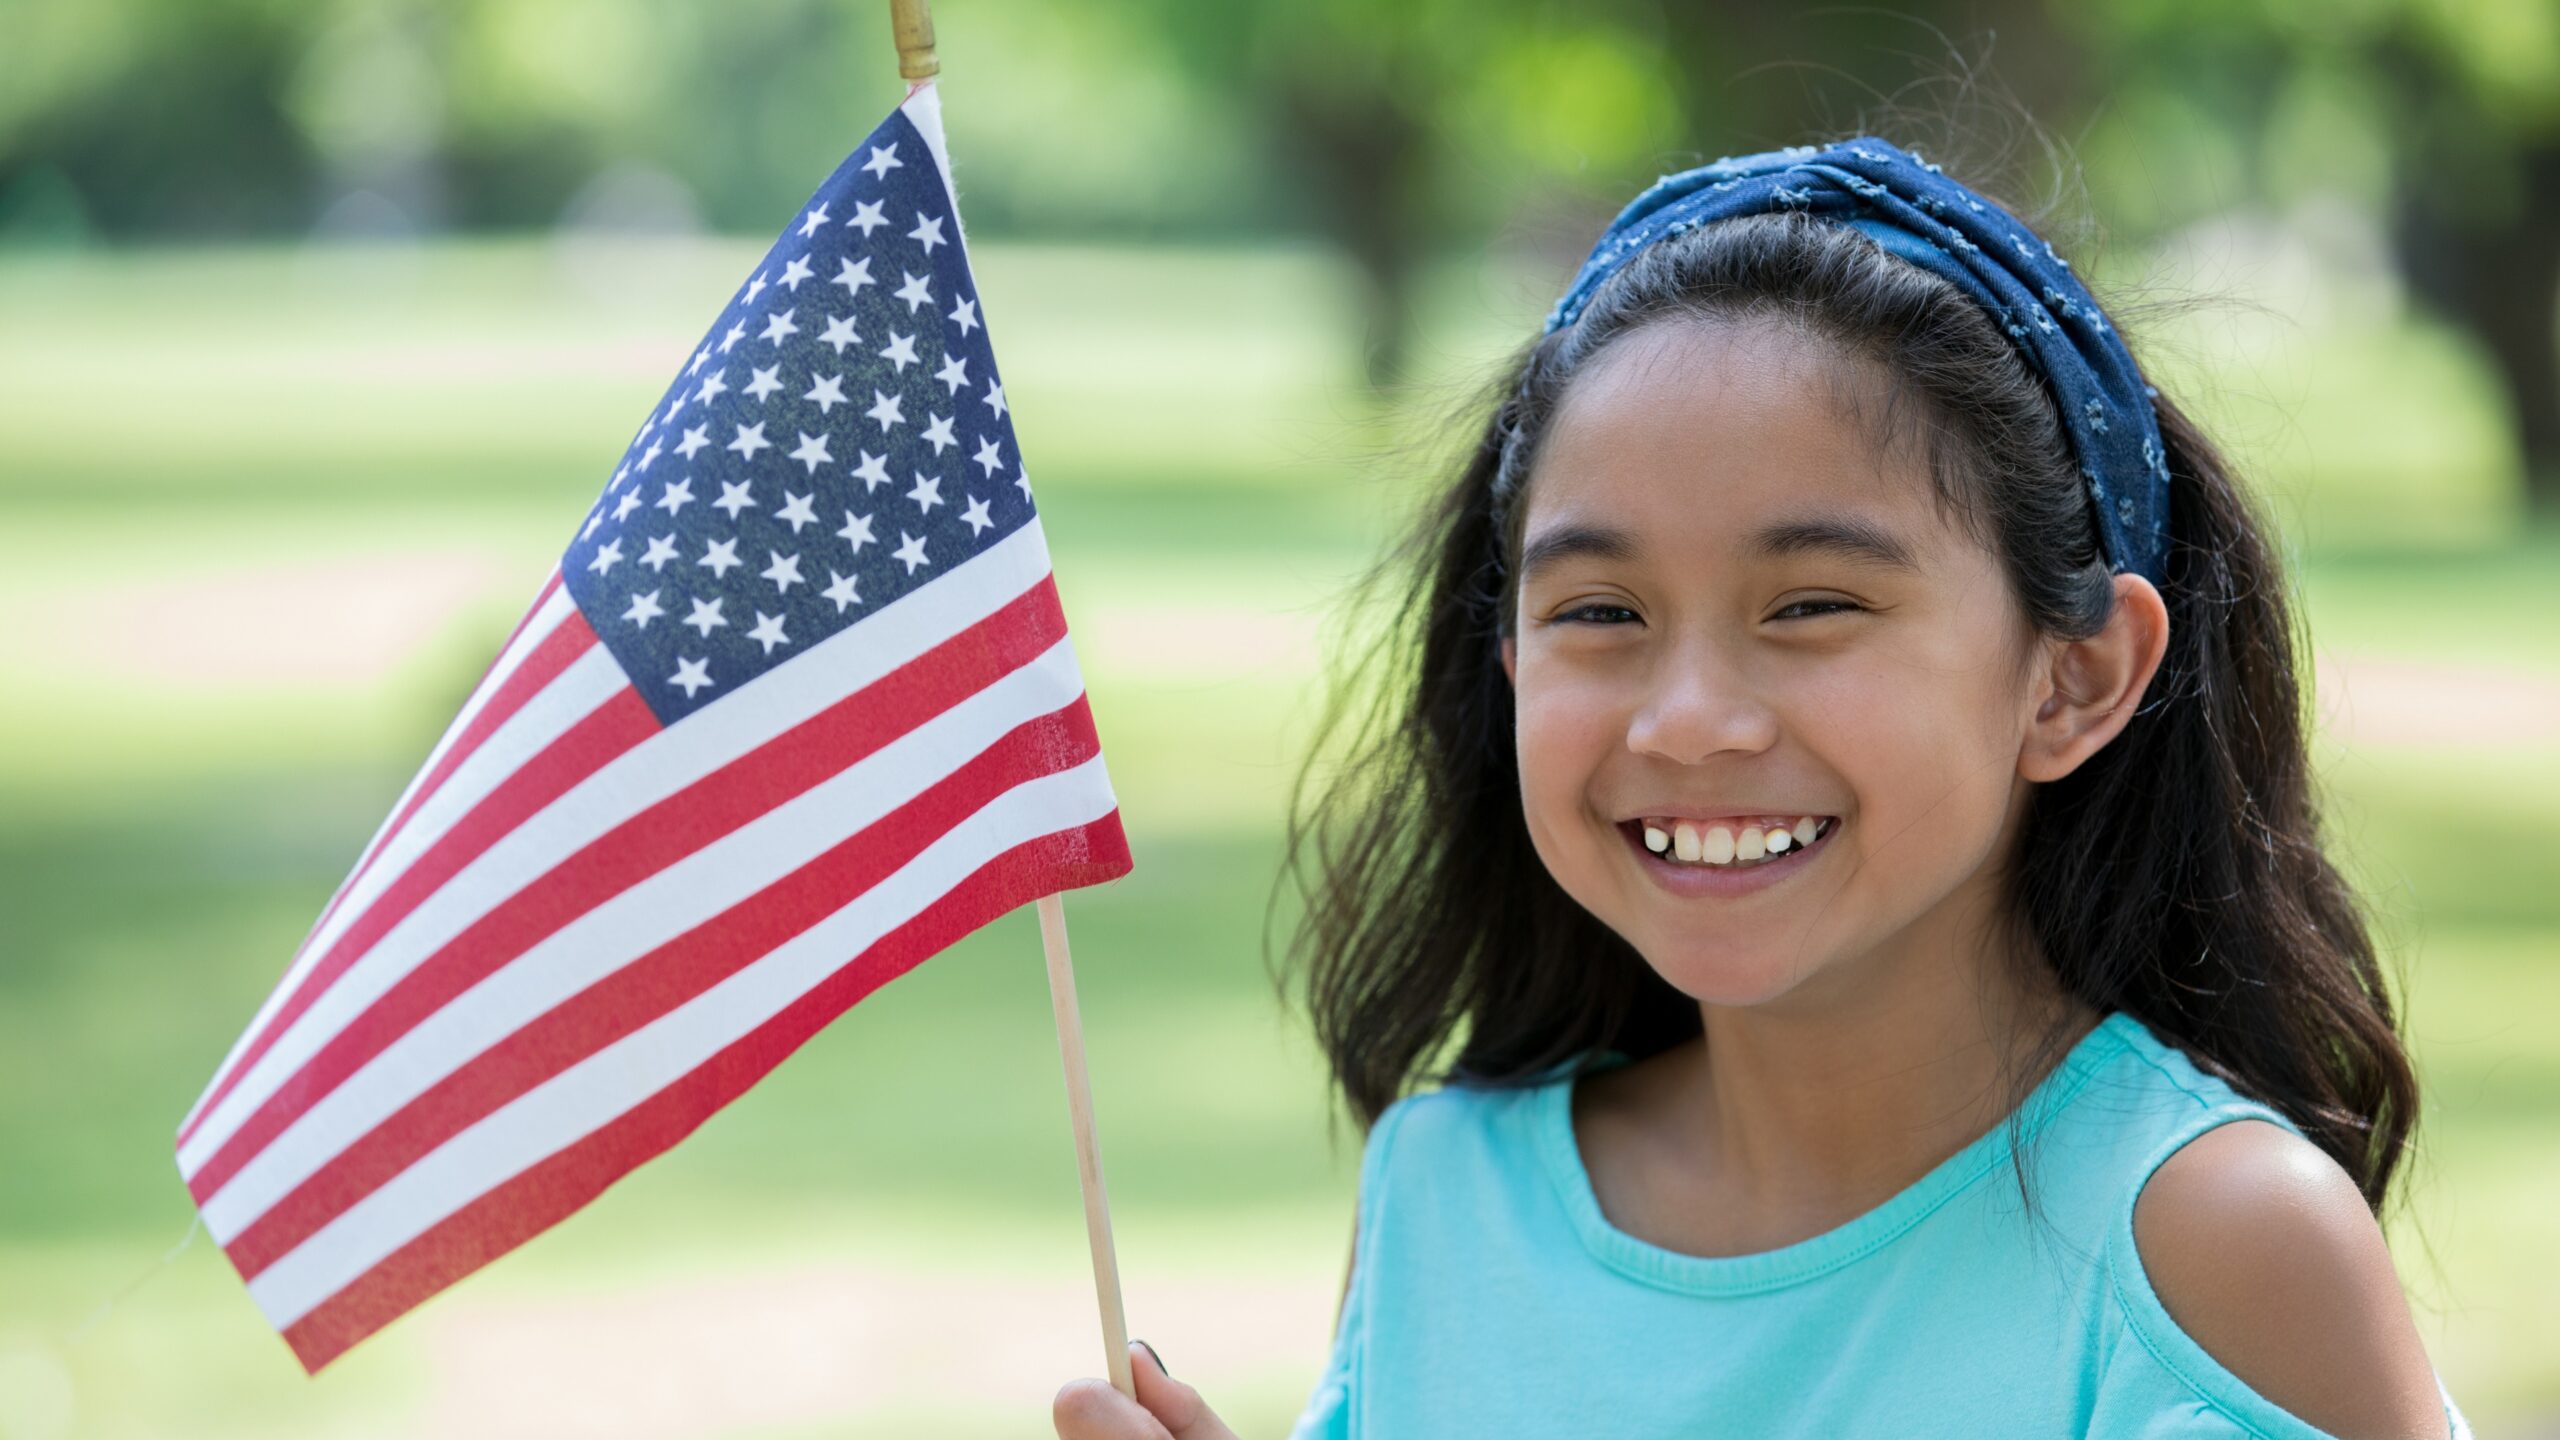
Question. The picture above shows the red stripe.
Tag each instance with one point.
(648, 842)
(663, 980)
(557, 651)
(543, 1195)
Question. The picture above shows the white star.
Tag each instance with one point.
(595, 518)
(812, 452)
(691, 674)
(606, 557)
(912, 552)
(939, 435)
(928, 492)
(995, 397)
(917, 292)
(661, 550)
(885, 409)
(735, 334)
(976, 516)
(620, 474)
(795, 512)
(768, 632)
(900, 351)
(720, 557)
(839, 333)
(699, 356)
(750, 440)
(866, 214)
(778, 328)
(623, 507)
(809, 226)
(644, 608)
(883, 160)
(987, 457)
(853, 276)
(841, 592)
(965, 315)
(712, 387)
(783, 570)
(675, 497)
(857, 530)
(735, 495)
(795, 272)
(755, 287)
(694, 439)
(649, 457)
(953, 374)
(928, 231)
(705, 617)
(827, 390)
(765, 381)
(672, 407)
(873, 472)
(1022, 478)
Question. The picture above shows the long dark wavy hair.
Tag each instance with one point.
(2177, 874)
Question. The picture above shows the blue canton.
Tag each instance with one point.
(840, 439)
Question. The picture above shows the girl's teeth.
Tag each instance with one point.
(1684, 841)
(1655, 840)
(1719, 848)
(1719, 845)
(1805, 829)
(1753, 844)
(1779, 840)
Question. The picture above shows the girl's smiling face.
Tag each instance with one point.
(1732, 608)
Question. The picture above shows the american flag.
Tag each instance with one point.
(796, 710)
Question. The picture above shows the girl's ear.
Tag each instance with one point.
(1511, 659)
(2091, 687)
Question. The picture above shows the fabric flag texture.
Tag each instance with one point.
(796, 710)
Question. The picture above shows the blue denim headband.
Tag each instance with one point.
(1909, 206)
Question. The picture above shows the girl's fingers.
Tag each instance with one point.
(1090, 1409)
(1175, 1405)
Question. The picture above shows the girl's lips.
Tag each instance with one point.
(1696, 880)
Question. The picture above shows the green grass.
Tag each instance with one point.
(194, 439)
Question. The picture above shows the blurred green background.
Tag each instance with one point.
(321, 322)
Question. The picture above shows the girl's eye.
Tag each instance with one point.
(1817, 607)
(1595, 611)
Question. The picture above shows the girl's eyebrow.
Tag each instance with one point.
(1566, 542)
(1846, 536)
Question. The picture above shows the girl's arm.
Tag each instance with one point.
(2262, 1249)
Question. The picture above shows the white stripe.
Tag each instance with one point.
(648, 772)
(546, 618)
(686, 894)
(589, 1095)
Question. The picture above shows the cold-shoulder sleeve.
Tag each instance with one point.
(1328, 1412)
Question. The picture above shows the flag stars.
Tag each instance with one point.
(1022, 481)
(953, 374)
(853, 275)
(884, 158)
(809, 225)
(886, 409)
(900, 351)
(692, 675)
(827, 391)
(706, 617)
(735, 495)
(607, 556)
(623, 507)
(695, 437)
(911, 552)
(989, 457)
(976, 516)
(720, 557)
(660, 551)
(701, 357)
(783, 570)
(917, 292)
(873, 472)
(938, 434)
(715, 387)
(795, 511)
(839, 334)
(768, 632)
(765, 381)
(927, 492)
(856, 531)
(755, 287)
(795, 272)
(841, 590)
(735, 334)
(676, 496)
(965, 315)
(749, 440)
(645, 608)
(778, 328)
(995, 397)
(928, 231)
(866, 217)
(650, 456)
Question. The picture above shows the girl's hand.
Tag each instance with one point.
(1166, 1409)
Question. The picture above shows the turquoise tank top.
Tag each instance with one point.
(1490, 1297)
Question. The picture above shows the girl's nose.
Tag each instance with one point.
(1693, 711)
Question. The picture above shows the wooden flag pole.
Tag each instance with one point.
(912, 22)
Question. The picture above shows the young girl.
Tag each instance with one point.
(1848, 814)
